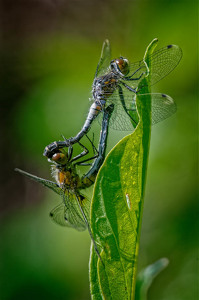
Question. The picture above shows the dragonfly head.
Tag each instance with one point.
(60, 158)
(120, 65)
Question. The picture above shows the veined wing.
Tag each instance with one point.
(105, 59)
(121, 121)
(57, 214)
(68, 212)
(66, 215)
(163, 106)
(84, 211)
(162, 62)
(48, 183)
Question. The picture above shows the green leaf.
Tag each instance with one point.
(93, 275)
(146, 277)
(117, 204)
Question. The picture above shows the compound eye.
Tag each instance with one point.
(59, 157)
(123, 65)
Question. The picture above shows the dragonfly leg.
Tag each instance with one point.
(130, 77)
(70, 152)
(124, 105)
(128, 87)
(138, 78)
(81, 163)
(92, 143)
(83, 153)
(86, 151)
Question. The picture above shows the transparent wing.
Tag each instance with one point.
(68, 212)
(163, 106)
(120, 120)
(124, 117)
(117, 95)
(58, 215)
(162, 61)
(137, 71)
(72, 214)
(105, 59)
(50, 184)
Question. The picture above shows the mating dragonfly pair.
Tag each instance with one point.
(113, 93)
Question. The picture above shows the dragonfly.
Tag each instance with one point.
(116, 81)
(74, 209)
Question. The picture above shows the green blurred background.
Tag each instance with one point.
(49, 51)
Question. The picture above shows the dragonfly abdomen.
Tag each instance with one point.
(94, 110)
(88, 179)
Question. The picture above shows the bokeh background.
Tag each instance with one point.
(49, 50)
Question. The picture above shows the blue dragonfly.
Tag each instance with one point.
(116, 82)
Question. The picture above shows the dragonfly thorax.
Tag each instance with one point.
(104, 86)
(66, 178)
